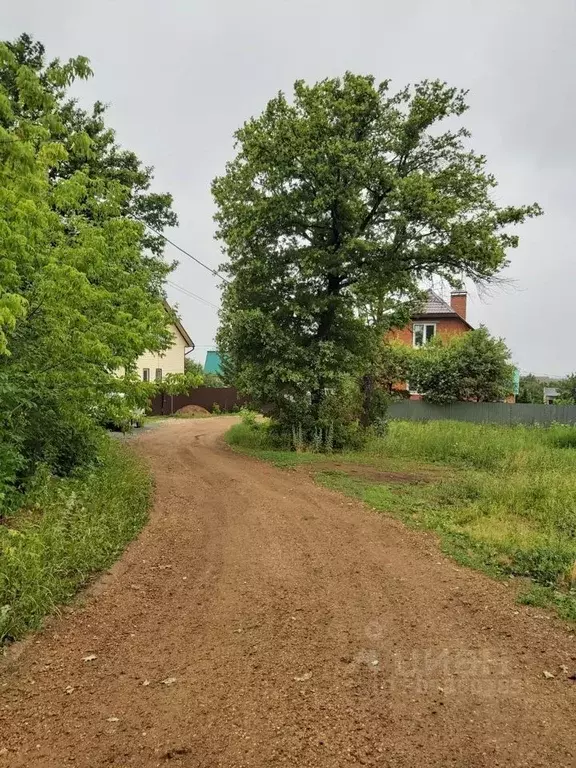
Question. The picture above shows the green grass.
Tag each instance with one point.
(68, 531)
(502, 499)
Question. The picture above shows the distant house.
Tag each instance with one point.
(438, 318)
(435, 318)
(213, 363)
(551, 394)
(153, 366)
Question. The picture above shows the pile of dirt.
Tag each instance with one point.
(192, 412)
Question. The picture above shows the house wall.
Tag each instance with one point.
(445, 326)
(170, 361)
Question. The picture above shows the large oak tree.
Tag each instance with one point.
(348, 189)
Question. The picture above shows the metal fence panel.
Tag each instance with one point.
(484, 413)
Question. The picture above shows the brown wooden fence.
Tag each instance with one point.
(227, 399)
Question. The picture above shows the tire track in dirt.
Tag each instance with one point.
(291, 626)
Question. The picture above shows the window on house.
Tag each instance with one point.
(158, 375)
(422, 333)
(145, 374)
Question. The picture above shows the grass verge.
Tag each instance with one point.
(501, 499)
(68, 530)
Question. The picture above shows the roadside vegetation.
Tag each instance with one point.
(66, 531)
(81, 298)
(502, 499)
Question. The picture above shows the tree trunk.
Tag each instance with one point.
(367, 397)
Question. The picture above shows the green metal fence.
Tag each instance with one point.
(485, 413)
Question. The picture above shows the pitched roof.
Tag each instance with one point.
(435, 306)
(213, 362)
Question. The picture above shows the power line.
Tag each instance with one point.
(182, 250)
(192, 294)
(134, 216)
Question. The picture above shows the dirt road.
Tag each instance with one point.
(262, 621)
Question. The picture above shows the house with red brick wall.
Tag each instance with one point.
(435, 318)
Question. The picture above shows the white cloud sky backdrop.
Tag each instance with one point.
(181, 75)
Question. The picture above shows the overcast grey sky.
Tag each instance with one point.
(182, 75)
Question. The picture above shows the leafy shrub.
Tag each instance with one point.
(250, 436)
(248, 417)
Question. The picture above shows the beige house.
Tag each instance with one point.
(152, 366)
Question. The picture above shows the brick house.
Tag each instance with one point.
(436, 317)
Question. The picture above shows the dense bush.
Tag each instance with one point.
(471, 366)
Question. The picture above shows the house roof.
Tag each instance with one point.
(176, 320)
(551, 392)
(435, 306)
(213, 362)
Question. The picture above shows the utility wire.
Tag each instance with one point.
(192, 294)
(213, 271)
(134, 216)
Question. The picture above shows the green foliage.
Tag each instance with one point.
(393, 363)
(205, 379)
(216, 408)
(531, 390)
(193, 366)
(249, 436)
(472, 366)
(178, 383)
(567, 390)
(335, 202)
(212, 380)
(562, 436)
(81, 293)
(248, 418)
(68, 530)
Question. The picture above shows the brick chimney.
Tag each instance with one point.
(458, 302)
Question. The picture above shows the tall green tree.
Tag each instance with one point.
(345, 189)
(531, 389)
(81, 292)
(567, 389)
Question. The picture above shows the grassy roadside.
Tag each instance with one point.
(69, 530)
(501, 499)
